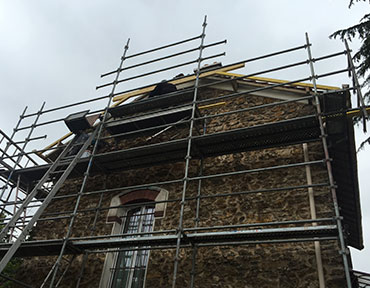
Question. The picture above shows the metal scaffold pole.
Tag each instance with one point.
(22, 149)
(15, 205)
(17, 161)
(357, 86)
(233, 107)
(197, 214)
(92, 228)
(196, 223)
(311, 200)
(21, 117)
(188, 158)
(99, 128)
(343, 247)
(11, 251)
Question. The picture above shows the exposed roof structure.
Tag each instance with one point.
(288, 132)
(117, 139)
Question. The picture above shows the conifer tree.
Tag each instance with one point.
(362, 56)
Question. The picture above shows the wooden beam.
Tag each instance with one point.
(56, 142)
(271, 80)
(356, 112)
(119, 99)
(128, 95)
(212, 105)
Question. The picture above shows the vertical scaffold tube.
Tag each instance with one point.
(196, 222)
(311, 198)
(89, 165)
(188, 157)
(343, 248)
(22, 150)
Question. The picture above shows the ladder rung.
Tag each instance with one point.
(68, 158)
(62, 166)
(42, 191)
(58, 172)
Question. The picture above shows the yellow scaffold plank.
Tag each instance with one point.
(356, 112)
(175, 82)
(211, 105)
(122, 98)
(278, 81)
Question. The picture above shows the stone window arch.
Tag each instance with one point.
(120, 214)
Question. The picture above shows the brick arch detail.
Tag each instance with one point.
(143, 195)
(139, 195)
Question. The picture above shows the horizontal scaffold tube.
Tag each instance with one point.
(141, 87)
(159, 70)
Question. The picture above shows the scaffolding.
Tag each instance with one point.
(30, 186)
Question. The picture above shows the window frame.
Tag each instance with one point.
(133, 258)
(115, 216)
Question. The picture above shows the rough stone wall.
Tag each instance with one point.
(258, 265)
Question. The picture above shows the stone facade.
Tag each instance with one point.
(257, 265)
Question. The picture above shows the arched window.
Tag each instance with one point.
(128, 268)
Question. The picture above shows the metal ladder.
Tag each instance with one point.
(98, 131)
(59, 163)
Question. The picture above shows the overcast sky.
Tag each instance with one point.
(55, 51)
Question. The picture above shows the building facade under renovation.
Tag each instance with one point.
(212, 179)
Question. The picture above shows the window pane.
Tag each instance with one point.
(131, 265)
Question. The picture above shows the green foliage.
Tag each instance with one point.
(10, 271)
(362, 56)
(351, 2)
